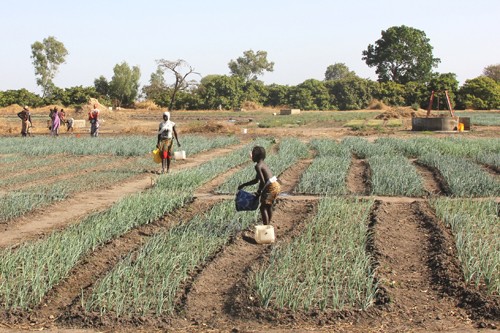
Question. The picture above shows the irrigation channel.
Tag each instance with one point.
(420, 286)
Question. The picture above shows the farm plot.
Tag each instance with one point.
(25, 287)
(340, 267)
(327, 174)
(476, 228)
(290, 151)
(17, 203)
(326, 266)
(390, 173)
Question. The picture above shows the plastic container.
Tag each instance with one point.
(264, 234)
(156, 155)
(180, 155)
(244, 131)
(461, 127)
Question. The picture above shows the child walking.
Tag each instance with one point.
(269, 188)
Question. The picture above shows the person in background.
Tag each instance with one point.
(269, 187)
(166, 133)
(25, 116)
(94, 121)
(56, 122)
(69, 125)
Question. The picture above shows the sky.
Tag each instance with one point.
(302, 38)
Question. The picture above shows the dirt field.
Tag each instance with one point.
(421, 287)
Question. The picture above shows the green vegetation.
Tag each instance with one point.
(119, 146)
(394, 175)
(328, 172)
(476, 228)
(326, 266)
(290, 151)
(148, 281)
(26, 279)
(463, 178)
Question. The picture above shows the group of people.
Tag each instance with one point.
(58, 117)
(269, 186)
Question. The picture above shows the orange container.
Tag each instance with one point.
(460, 127)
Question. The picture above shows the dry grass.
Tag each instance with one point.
(375, 104)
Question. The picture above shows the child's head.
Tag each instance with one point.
(258, 153)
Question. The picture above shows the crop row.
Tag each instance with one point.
(290, 151)
(394, 175)
(476, 228)
(463, 177)
(328, 172)
(120, 146)
(28, 272)
(17, 203)
(327, 266)
(147, 282)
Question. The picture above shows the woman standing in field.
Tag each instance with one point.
(166, 133)
(56, 122)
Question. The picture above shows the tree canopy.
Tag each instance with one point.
(47, 56)
(124, 85)
(338, 71)
(251, 65)
(493, 72)
(402, 54)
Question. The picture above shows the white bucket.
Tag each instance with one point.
(264, 234)
(244, 131)
(180, 155)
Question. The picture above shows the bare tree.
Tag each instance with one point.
(181, 70)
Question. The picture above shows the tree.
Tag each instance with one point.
(124, 85)
(157, 86)
(47, 56)
(101, 85)
(251, 65)
(403, 54)
(310, 95)
(223, 90)
(481, 93)
(338, 71)
(352, 93)
(493, 72)
(181, 70)
(277, 95)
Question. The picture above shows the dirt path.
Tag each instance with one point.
(402, 246)
(432, 184)
(357, 177)
(211, 300)
(61, 304)
(61, 214)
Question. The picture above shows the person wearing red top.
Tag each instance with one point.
(94, 121)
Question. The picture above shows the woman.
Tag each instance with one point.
(56, 122)
(166, 133)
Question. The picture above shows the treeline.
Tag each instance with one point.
(228, 92)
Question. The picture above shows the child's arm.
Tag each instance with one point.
(252, 182)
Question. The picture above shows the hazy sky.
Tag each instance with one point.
(302, 37)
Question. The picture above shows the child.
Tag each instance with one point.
(269, 188)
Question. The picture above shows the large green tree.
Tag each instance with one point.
(493, 72)
(251, 65)
(47, 56)
(223, 90)
(338, 71)
(481, 93)
(124, 85)
(402, 54)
